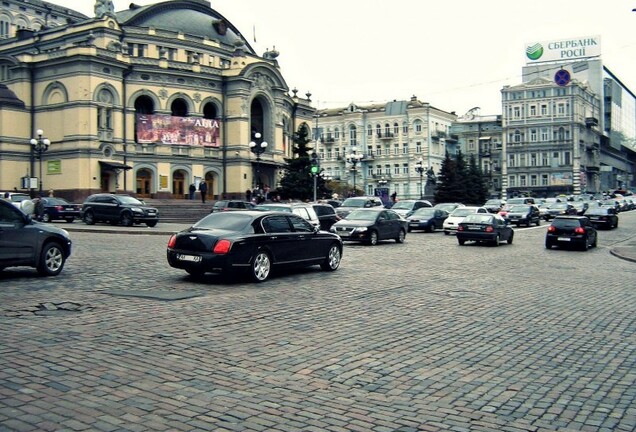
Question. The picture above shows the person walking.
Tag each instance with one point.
(203, 188)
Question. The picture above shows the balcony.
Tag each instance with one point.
(385, 135)
(591, 122)
(329, 140)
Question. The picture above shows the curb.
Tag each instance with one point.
(624, 253)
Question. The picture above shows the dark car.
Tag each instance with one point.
(580, 207)
(427, 219)
(405, 208)
(358, 202)
(252, 242)
(523, 214)
(559, 209)
(449, 207)
(59, 209)
(494, 205)
(25, 242)
(326, 215)
(572, 231)
(605, 217)
(231, 205)
(113, 208)
(484, 228)
(370, 225)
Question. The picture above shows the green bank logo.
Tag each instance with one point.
(535, 51)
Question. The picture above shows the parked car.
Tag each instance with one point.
(494, 205)
(359, 202)
(484, 228)
(231, 205)
(604, 217)
(370, 225)
(327, 215)
(427, 219)
(19, 199)
(59, 209)
(115, 209)
(449, 207)
(406, 207)
(25, 242)
(304, 210)
(253, 242)
(453, 220)
(560, 208)
(525, 214)
(573, 231)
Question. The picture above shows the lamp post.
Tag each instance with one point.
(353, 158)
(258, 147)
(419, 168)
(39, 146)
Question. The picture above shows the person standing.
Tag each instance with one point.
(192, 190)
(203, 188)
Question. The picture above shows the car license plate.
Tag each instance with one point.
(190, 258)
(413, 224)
(563, 239)
(473, 227)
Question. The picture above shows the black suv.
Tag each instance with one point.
(326, 215)
(116, 209)
(25, 242)
(575, 231)
(523, 214)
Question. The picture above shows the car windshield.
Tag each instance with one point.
(354, 202)
(461, 212)
(478, 218)
(519, 209)
(406, 205)
(19, 197)
(362, 215)
(229, 221)
(130, 200)
(427, 211)
(268, 207)
(56, 201)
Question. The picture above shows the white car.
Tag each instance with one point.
(452, 221)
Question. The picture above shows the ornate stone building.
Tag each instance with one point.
(146, 101)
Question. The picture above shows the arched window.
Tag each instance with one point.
(144, 105)
(209, 111)
(179, 108)
(105, 109)
(353, 136)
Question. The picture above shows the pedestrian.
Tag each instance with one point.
(248, 195)
(192, 190)
(394, 197)
(39, 208)
(203, 188)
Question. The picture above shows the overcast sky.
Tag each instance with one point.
(454, 54)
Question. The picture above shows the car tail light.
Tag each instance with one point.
(551, 229)
(489, 229)
(460, 228)
(172, 241)
(59, 208)
(579, 230)
(222, 247)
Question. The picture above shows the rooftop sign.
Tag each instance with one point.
(563, 50)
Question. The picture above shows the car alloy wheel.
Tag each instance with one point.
(497, 239)
(89, 218)
(401, 236)
(373, 238)
(51, 260)
(127, 219)
(46, 217)
(512, 236)
(261, 267)
(332, 260)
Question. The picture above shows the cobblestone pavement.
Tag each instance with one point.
(425, 335)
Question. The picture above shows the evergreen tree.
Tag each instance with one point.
(297, 181)
(477, 190)
(445, 180)
(460, 186)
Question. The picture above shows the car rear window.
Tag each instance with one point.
(478, 218)
(566, 223)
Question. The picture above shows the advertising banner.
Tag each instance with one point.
(563, 50)
(167, 129)
(561, 179)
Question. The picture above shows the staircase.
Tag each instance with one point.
(180, 211)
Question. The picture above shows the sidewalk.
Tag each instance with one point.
(626, 250)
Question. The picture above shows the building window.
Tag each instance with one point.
(337, 152)
(396, 149)
(533, 180)
(517, 137)
(353, 136)
(5, 26)
(522, 160)
(533, 135)
(369, 131)
(370, 171)
(522, 180)
(533, 159)
(405, 148)
(533, 110)
(544, 134)
(544, 110)
(193, 56)
(5, 73)
(471, 145)
(396, 129)
(378, 170)
(396, 169)
(405, 168)
(387, 150)
(544, 179)
(511, 181)
(137, 50)
(566, 158)
(418, 127)
(387, 170)
(511, 160)
(336, 133)
(561, 109)
(370, 150)
(516, 112)
(378, 150)
(418, 147)
(405, 128)
(378, 130)
(167, 53)
(544, 159)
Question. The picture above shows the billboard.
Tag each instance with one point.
(563, 50)
(167, 129)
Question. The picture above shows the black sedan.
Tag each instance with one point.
(371, 225)
(252, 242)
(559, 209)
(574, 231)
(25, 242)
(427, 219)
(605, 217)
(58, 209)
(484, 228)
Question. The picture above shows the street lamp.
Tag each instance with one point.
(419, 168)
(39, 146)
(353, 158)
(258, 147)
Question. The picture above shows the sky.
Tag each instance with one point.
(454, 54)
